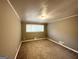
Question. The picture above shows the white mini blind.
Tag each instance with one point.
(34, 28)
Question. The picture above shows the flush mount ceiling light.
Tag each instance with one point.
(43, 17)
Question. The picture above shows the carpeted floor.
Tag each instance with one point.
(44, 49)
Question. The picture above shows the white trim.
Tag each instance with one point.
(33, 39)
(42, 39)
(25, 41)
(63, 45)
(17, 50)
(13, 8)
(63, 18)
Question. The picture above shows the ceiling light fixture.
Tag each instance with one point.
(43, 17)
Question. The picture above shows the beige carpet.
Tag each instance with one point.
(44, 49)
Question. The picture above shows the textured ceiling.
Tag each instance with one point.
(30, 10)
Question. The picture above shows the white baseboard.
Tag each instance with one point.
(25, 41)
(33, 39)
(41, 39)
(17, 50)
(63, 45)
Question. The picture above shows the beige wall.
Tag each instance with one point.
(10, 30)
(31, 35)
(65, 31)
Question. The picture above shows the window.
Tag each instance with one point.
(34, 28)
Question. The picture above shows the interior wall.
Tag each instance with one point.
(10, 31)
(32, 35)
(65, 31)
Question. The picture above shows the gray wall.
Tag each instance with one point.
(32, 35)
(65, 31)
(10, 30)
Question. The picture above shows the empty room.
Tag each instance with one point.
(38, 29)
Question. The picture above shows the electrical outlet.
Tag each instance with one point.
(60, 42)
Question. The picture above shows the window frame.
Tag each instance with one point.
(35, 25)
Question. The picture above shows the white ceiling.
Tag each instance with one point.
(31, 10)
